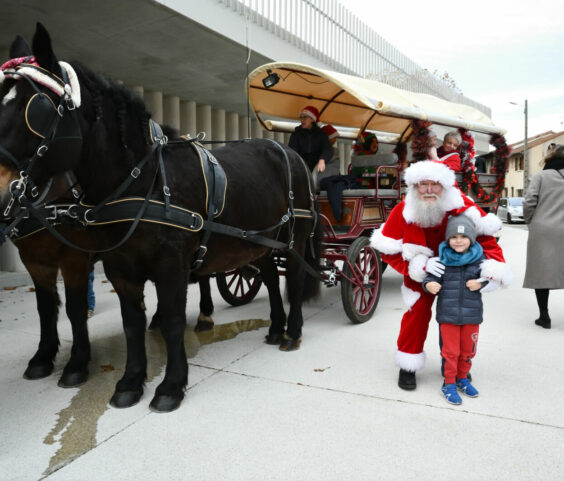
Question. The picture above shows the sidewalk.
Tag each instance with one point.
(330, 411)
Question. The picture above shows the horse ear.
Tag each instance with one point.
(19, 48)
(42, 49)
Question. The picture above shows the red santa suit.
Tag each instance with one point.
(407, 247)
(450, 159)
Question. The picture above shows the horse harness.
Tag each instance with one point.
(115, 209)
(49, 122)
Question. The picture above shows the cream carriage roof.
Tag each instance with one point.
(354, 102)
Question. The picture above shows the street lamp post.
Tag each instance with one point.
(525, 147)
(526, 150)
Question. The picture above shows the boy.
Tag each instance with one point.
(448, 152)
(459, 305)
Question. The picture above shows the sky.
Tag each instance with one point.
(497, 52)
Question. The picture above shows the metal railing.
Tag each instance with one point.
(329, 32)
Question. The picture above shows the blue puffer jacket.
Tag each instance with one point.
(456, 304)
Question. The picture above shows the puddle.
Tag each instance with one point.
(76, 425)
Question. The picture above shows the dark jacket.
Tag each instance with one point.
(312, 145)
(456, 304)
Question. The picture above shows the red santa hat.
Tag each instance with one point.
(429, 170)
(330, 131)
(311, 111)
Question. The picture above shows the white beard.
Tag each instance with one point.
(426, 214)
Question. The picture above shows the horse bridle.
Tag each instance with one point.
(43, 118)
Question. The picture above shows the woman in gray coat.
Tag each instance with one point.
(543, 210)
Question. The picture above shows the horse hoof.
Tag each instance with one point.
(288, 344)
(274, 339)
(38, 371)
(164, 404)
(125, 399)
(203, 326)
(73, 379)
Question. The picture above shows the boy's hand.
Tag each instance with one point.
(473, 284)
(433, 287)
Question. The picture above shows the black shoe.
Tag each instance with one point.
(407, 380)
(543, 320)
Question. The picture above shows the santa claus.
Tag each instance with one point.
(409, 242)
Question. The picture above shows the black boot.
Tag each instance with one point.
(407, 380)
(543, 320)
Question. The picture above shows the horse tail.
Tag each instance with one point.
(312, 256)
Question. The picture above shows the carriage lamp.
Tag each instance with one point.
(271, 79)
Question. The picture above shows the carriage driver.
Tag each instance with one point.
(409, 241)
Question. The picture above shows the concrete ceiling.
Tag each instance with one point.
(139, 42)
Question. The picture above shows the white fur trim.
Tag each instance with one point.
(74, 84)
(409, 296)
(42, 79)
(10, 95)
(1, 76)
(416, 267)
(429, 170)
(410, 362)
(385, 244)
(498, 271)
(309, 114)
(489, 224)
(409, 251)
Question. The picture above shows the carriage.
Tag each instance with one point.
(277, 91)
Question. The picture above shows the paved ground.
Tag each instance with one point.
(330, 411)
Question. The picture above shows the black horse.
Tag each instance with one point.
(44, 256)
(268, 203)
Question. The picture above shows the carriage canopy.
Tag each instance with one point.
(353, 102)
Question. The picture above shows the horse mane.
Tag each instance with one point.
(125, 103)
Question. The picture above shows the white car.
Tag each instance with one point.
(510, 209)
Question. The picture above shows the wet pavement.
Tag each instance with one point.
(330, 411)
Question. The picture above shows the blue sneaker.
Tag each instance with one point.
(450, 394)
(466, 388)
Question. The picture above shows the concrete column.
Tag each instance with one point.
(218, 126)
(188, 117)
(9, 258)
(256, 130)
(244, 127)
(138, 89)
(154, 103)
(286, 138)
(279, 136)
(204, 120)
(267, 134)
(232, 126)
(171, 111)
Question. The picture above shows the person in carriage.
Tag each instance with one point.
(310, 141)
(409, 240)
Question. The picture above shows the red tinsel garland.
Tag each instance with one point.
(501, 156)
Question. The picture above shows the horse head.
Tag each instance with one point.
(40, 133)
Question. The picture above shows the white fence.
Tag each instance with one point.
(328, 31)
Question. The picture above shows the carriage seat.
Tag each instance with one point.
(330, 169)
(362, 163)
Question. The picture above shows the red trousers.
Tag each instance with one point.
(459, 347)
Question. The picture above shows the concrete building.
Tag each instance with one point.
(536, 150)
(189, 59)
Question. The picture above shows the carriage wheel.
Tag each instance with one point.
(360, 297)
(239, 286)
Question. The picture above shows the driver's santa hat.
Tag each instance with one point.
(429, 170)
(311, 111)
